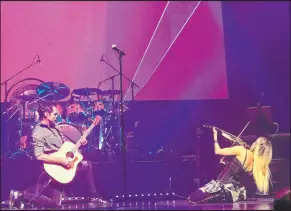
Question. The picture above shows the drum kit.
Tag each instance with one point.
(74, 115)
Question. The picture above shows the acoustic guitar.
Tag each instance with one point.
(70, 151)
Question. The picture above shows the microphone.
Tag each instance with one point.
(114, 47)
(39, 61)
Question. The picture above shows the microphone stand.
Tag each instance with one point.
(6, 81)
(122, 127)
(132, 84)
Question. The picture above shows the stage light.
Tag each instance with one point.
(142, 195)
(129, 195)
(149, 194)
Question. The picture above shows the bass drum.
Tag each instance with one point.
(70, 132)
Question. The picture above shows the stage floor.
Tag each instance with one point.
(250, 204)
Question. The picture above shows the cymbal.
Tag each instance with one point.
(87, 91)
(110, 92)
(27, 95)
(52, 91)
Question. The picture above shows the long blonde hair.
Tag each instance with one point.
(262, 149)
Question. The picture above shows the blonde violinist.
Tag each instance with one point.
(253, 161)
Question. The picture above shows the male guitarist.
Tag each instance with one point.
(46, 140)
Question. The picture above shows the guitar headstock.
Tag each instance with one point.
(97, 120)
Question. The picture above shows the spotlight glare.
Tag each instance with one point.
(141, 61)
(174, 40)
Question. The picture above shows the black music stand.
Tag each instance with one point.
(261, 120)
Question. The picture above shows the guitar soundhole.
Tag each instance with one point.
(69, 155)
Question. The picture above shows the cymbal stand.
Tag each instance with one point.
(34, 101)
(112, 86)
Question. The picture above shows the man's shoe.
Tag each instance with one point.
(15, 200)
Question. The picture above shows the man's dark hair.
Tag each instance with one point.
(45, 107)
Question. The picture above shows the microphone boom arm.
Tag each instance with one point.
(119, 73)
(6, 81)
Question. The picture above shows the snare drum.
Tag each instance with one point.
(75, 113)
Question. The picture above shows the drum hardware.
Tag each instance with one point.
(31, 99)
(121, 75)
(21, 110)
(27, 104)
(20, 97)
(21, 152)
(7, 91)
(24, 146)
